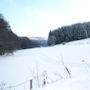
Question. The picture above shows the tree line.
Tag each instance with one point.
(10, 42)
(69, 33)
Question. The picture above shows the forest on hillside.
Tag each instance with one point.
(10, 42)
(69, 33)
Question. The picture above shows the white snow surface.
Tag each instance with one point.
(47, 63)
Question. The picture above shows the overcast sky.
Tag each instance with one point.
(37, 17)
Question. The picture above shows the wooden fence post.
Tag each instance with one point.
(30, 84)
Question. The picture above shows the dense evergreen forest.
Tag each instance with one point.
(69, 33)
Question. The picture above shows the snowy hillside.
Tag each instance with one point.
(48, 63)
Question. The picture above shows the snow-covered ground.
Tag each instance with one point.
(48, 63)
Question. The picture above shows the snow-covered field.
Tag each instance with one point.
(48, 63)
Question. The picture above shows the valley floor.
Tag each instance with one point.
(62, 67)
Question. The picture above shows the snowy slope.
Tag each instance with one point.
(17, 70)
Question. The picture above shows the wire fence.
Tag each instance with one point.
(43, 80)
(3, 86)
(17, 85)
